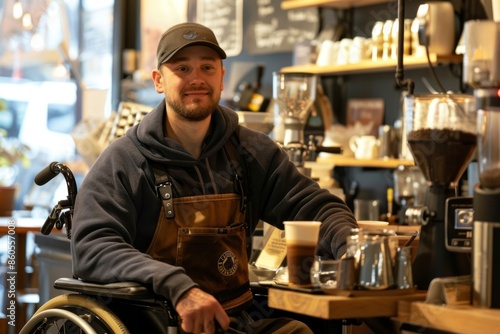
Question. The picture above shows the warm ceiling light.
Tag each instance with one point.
(27, 23)
(17, 10)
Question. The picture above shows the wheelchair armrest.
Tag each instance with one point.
(125, 290)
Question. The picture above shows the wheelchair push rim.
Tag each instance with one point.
(91, 316)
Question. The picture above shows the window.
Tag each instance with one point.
(43, 68)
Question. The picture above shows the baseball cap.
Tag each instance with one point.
(186, 34)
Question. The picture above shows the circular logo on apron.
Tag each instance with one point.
(227, 263)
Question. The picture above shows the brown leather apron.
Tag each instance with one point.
(206, 235)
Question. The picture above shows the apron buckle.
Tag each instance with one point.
(164, 191)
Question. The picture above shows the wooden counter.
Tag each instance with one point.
(339, 160)
(338, 307)
(456, 319)
(298, 4)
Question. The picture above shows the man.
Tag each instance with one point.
(173, 202)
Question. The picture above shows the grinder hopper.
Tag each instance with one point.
(295, 93)
(441, 134)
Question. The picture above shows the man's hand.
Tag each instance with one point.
(198, 311)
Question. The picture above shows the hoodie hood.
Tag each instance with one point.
(149, 136)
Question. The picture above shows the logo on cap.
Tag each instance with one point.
(190, 34)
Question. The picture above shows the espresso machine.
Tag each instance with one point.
(482, 73)
(295, 93)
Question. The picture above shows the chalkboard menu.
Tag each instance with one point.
(225, 18)
(272, 29)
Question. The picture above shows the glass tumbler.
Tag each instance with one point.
(324, 273)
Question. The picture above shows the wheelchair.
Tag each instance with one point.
(114, 308)
(121, 307)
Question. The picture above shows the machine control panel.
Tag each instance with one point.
(459, 218)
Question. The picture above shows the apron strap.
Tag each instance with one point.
(230, 150)
(233, 160)
(164, 186)
(164, 190)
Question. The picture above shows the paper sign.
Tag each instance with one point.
(274, 251)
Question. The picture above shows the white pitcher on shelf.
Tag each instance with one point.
(364, 147)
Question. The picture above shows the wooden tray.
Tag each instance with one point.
(369, 293)
(338, 292)
(273, 284)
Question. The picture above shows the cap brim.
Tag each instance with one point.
(213, 46)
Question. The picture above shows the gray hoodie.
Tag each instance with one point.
(117, 208)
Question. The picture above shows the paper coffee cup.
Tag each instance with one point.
(301, 241)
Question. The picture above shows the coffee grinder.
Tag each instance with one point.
(441, 135)
(482, 72)
(295, 93)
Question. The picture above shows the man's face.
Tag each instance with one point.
(192, 81)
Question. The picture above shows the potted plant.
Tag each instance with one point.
(12, 154)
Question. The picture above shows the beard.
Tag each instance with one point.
(197, 110)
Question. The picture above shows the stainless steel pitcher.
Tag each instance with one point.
(375, 262)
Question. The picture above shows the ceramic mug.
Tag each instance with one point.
(359, 50)
(364, 147)
(327, 53)
(343, 51)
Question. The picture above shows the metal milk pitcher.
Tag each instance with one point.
(375, 262)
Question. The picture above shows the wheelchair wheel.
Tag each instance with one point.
(57, 321)
(80, 314)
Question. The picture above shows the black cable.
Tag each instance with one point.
(433, 71)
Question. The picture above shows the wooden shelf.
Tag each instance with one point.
(455, 319)
(338, 160)
(372, 66)
(342, 4)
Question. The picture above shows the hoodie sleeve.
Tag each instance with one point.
(279, 192)
(107, 220)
